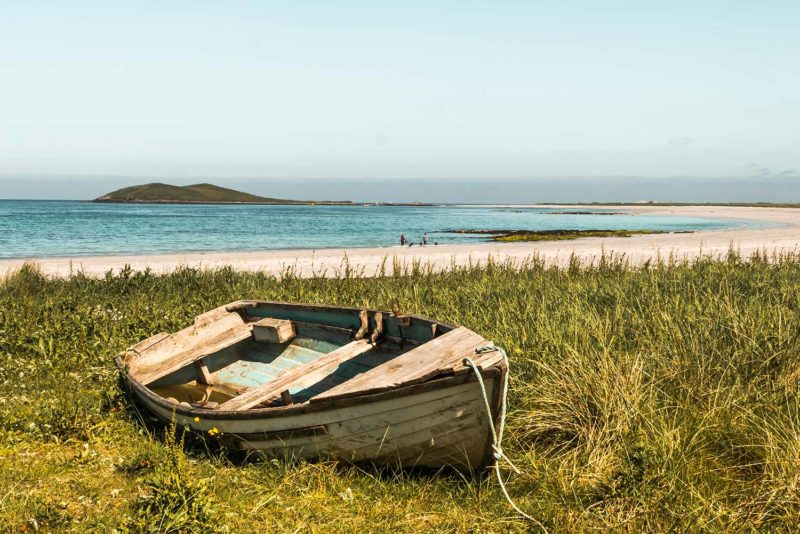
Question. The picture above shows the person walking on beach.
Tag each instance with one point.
(402, 239)
(425, 239)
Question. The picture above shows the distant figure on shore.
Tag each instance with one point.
(425, 239)
(402, 239)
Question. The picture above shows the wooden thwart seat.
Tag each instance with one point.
(310, 372)
(441, 355)
(186, 353)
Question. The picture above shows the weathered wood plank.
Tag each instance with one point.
(376, 439)
(369, 422)
(147, 372)
(312, 371)
(221, 312)
(240, 305)
(420, 424)
(441, 355)
(378, 332)
(271, 330)
(284, 435)
(461, 447)
(399, 426)
(346, 415)
(309, 329)
(462, 440)
(203, 376)
(205, 327)
(363, 316)
(146, 344)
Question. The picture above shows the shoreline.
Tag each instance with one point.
(367, 261)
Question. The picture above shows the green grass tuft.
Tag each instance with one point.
(174, 498)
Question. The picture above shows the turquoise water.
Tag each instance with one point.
(30, 228)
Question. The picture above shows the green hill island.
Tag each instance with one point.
(158, 193)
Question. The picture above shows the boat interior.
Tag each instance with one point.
(251, 354)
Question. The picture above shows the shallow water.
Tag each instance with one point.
(31, 228)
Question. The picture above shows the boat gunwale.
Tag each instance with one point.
(243, 305)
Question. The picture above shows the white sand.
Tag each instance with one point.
(638, 249)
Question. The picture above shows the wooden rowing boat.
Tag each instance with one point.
(303, 381)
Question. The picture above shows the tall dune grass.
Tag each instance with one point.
(663, 397)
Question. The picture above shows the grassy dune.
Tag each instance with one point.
(660, 398)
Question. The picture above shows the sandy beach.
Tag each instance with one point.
(367, 261)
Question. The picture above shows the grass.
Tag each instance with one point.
(510, 236)
(651, 399)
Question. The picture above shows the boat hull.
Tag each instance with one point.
(435, 424)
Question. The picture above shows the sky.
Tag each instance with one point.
(385, 101)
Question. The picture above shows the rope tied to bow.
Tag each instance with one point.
(497, 434)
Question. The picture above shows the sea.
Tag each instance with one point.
(38, 228)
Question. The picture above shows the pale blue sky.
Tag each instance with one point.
(237, 92)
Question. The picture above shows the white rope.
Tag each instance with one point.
(497, 435)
